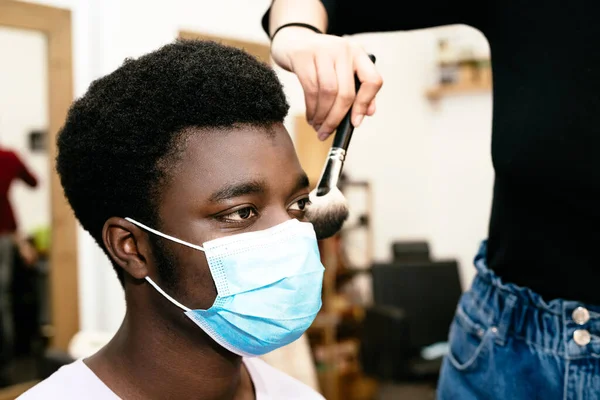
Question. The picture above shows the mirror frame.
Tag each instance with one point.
(55, 24)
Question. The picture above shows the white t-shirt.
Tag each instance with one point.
(76, 381)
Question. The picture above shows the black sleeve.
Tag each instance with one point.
(355, 16)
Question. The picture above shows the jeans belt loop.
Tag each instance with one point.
(505, 319)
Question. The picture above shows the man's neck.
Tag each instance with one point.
(152, 359)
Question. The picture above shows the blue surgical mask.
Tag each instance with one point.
(268, 287)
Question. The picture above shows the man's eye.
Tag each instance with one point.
(300, 205)
(241, 214)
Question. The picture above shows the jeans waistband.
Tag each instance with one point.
(568, 329)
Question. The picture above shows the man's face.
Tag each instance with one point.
(227, 182)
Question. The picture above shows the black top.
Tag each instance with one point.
(545, 220)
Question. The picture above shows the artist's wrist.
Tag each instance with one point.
(285, 45)
(292, 34)
(295, 25)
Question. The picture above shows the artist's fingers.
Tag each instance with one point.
(325, 66)
(372, 108)
(328, 89)
(306, 71)
(344, 98)
(371, 82)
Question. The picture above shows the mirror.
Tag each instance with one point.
(38, 248)
(24, 203)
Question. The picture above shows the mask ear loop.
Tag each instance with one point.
(172, 300)
(174, 239)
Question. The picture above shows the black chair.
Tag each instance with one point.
(384, 340)
(427, 292)
(407, 252)
(423, 297)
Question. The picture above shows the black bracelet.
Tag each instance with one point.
(300, 24)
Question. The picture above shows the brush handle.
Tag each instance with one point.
(343, 134)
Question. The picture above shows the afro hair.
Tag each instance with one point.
(119, 139)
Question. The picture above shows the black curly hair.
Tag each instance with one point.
(122, 136)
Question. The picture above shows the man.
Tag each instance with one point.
(530, 325)
(11, 168)
(179, 165)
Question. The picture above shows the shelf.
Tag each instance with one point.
(460, 89)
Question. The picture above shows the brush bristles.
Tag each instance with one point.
(327, 213)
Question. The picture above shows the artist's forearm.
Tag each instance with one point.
(310, 12)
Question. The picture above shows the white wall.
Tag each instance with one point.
(429, 163)
(432, 174)
(461, 179)
(23, 108)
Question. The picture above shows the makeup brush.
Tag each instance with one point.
(329, 209)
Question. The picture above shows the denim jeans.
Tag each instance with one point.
(508, 343)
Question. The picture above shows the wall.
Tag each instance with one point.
(23, 108)
(432, 173)
(461, 179)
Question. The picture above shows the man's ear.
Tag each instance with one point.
(128, 246)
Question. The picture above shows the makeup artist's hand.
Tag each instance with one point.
(325, 66)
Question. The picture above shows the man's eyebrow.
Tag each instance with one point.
(236, 189)
(302, 182)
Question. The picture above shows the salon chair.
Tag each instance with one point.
(410, 251)
(414, 304)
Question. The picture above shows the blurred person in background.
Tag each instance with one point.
(11, 168)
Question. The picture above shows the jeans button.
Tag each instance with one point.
(582, 337)
(581, 315)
